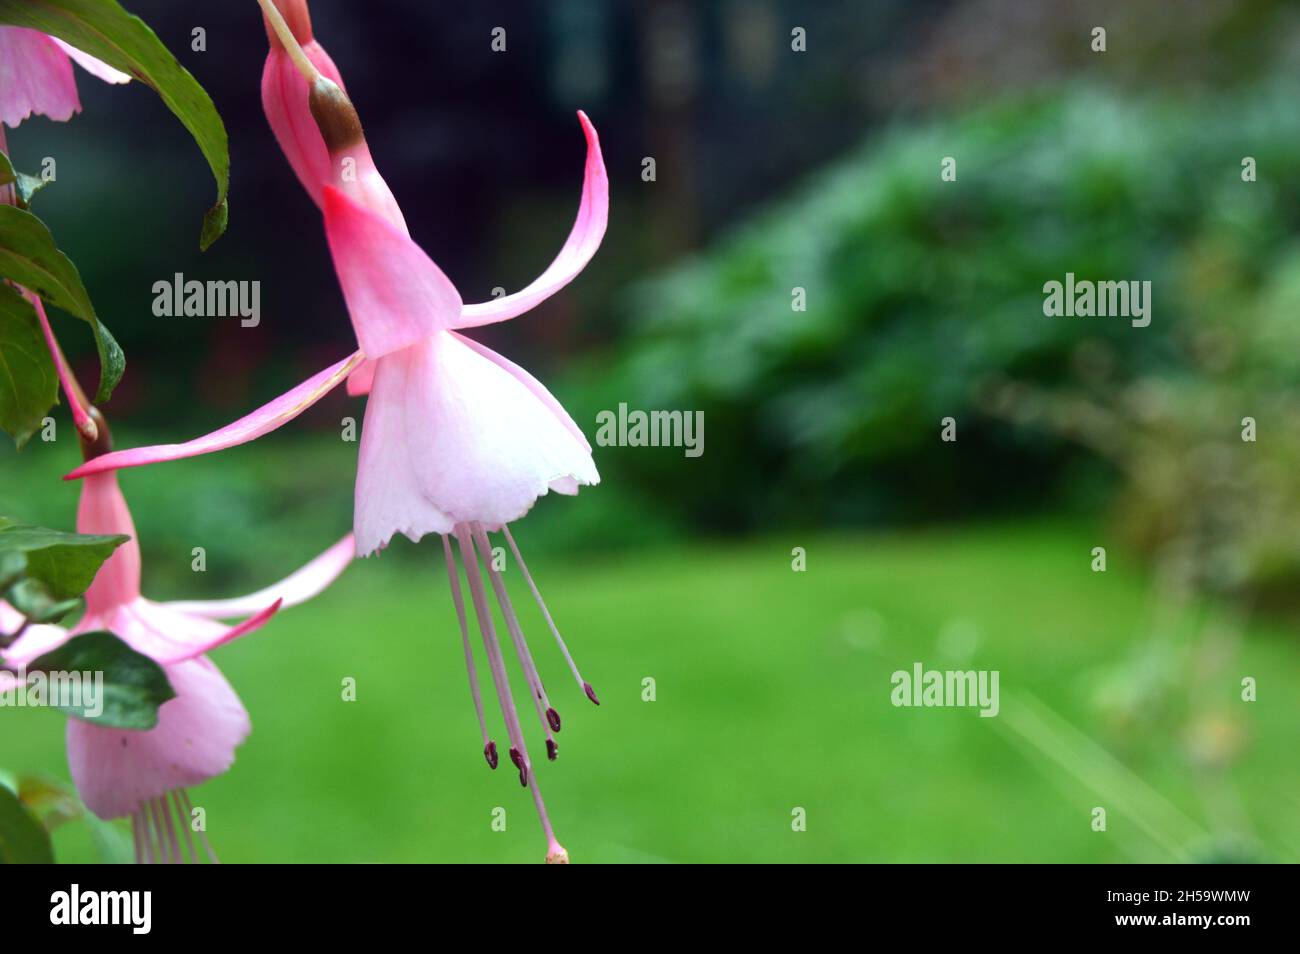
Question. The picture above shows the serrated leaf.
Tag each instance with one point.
(134, 685)
(22, 839)
(29, 257)
(65, 562)
(106, 31)
(29, 386)
(25, 185)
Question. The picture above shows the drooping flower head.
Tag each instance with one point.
(144, 774)
(456, 440)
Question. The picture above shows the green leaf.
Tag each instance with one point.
(27, 186)
(29, 257)
(32, 598)
(105, 30)
(134, 685)
(49, 802)
(22, 839)
(28, 385)
(65, 562)
(13, 566)
(113, 845)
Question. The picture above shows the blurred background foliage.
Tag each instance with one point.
(777, 170)
(925, 302)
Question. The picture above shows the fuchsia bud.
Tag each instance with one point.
(312, 117)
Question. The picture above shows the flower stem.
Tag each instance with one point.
(77, 401)
(290, 41)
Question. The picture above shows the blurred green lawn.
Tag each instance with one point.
(773, 692)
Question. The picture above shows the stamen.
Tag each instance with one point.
(304, 65)
(150, 856)
(540, 702)
(521, 765)
(164, 811)
(137, 835)
(184, 818)
(160, 841)
(555, 853)
(523, 568)
(203, 835)
(489, 746)
(518, 751)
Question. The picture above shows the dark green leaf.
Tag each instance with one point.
(105, 30)
(27, 186)
(29, 257)
(134, 685)
(28, 384)
(22, 839)
(65, 562)
(32, 598)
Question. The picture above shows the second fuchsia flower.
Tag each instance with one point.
(36, 76)
(143, 775)
(457, 440)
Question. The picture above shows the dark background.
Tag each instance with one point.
(481, 149)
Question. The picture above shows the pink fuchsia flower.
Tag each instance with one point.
(457, 440)
(36, 76)
(144, 775)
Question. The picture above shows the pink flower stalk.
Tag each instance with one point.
(36, 76)
(456, 440)
(143, 775)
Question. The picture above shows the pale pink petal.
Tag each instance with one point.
(396, 295)
(35, 77)
(10, 618)
(262, 421)
(284, 99)
(361, 380)
(96, 68)
(36, 640)
(451, 435)
(297, 588)
(168, 636)
(530, 382)
(115, 770)
(584, 239)
(102, 509)
(388, 498)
